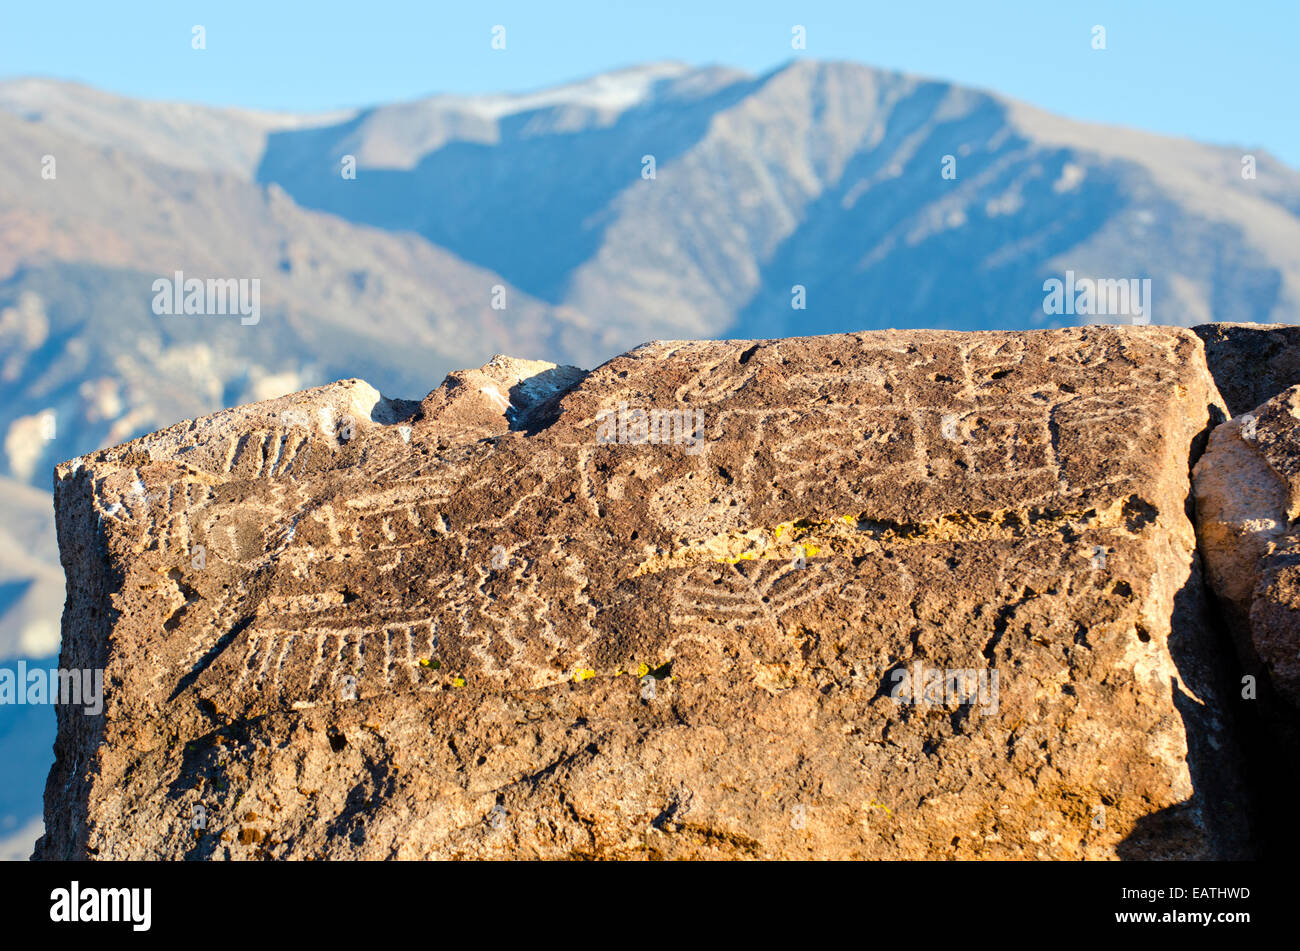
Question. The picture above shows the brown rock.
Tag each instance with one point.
(502, 395)
(579, 628)
(1248, 512)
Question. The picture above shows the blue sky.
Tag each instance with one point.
(1224, 73)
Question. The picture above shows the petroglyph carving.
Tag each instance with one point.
(433, 608)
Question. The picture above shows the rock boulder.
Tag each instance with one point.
(880, 595)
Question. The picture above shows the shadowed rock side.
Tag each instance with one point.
(521, 620)
(1251, 363)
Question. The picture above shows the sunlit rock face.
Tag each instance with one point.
(879, 595)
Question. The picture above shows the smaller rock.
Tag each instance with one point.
(1247, 487)
(503, 394)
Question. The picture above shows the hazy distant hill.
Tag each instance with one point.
(826, 175)
(79, 254)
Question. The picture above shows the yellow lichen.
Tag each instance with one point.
(848, 535)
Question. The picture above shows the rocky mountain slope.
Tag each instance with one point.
(826, 175)
(878, 595)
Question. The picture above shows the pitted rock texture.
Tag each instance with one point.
(662, 610)
(1248, 508)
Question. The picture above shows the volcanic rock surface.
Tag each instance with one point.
(881, 595)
